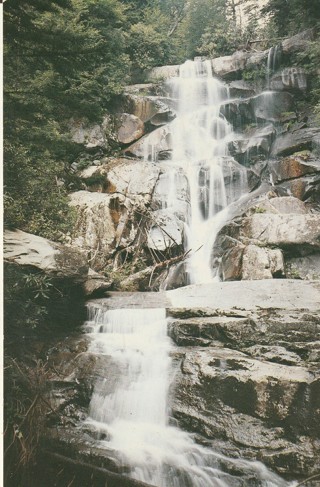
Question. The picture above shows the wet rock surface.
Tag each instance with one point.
(249, 383)
(273, 232)
(245, 377)
(298, 140)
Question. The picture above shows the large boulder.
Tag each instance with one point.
(130, 128)
(272, 231)
(92, 136)
(296, 140)
(256, 142)
(293, 167)
(261, 263)
(150, 146)
(61, 261)
(135, 179)
(230, 66)
(154, 109)
(165, 231)
(163, 72)
(299, 42)
(283, 230)
(289, 79)
(271, 105)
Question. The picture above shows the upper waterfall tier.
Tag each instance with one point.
(199, 138)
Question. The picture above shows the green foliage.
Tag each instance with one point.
(292, 17)
(255, 73)
(147, 46)
(310, 60)
(70, 58)
(62, 59)
(25, 413)
(317, 112)
(26, 293)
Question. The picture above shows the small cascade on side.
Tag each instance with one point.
(199, 138)
(273, 62)
(129, 408)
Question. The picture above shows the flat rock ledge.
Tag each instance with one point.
(235, 295)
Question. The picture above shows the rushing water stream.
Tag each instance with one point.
(200, 138)
(129, 407)
(131, 413)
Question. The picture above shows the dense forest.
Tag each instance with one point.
(71, 58)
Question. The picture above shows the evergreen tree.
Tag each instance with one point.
(62, 59)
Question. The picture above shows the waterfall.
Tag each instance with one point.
(273, 61)
(200, 136)
(129, 408)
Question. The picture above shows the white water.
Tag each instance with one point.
(129, 406)
(131, 411)
(274, 55)
(200, 138)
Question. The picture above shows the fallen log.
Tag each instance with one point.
(133, 282)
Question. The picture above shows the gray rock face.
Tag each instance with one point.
(55, 259)
(247, 295)
(96, 283)
(262, 244)
(163, 72)
(153, 109)
(241, 89)
(299, 140)
(91, 136)
(261, 263)
(135, 179)
(293, 167)
(96, 222)
(238, 112)
(283, 230)
(270, 233)
(270, 105)
(287, 205)
(131, 128)
(307, 267)
(246, 375)
(165, 231)
(151, 145)
(229, 66)
(255, 142)
(111, 219)
(299, 42)
(289, 79)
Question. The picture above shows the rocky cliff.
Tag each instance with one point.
(123, 224)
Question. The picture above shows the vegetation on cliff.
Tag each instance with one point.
(70, 58)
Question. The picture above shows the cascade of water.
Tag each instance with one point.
(199, 137)
(273, 60)
(130, 410)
